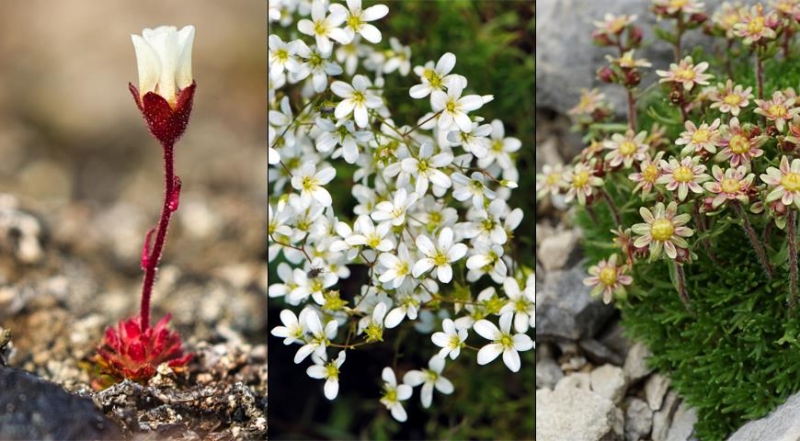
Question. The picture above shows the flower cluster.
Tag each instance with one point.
(730, 150)
(430, 217)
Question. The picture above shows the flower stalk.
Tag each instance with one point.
(753, 237)
(791, 231)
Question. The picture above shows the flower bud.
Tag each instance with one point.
(634, 36)
(164, 60)
(601, 39)
(166, 88)
(605, 74)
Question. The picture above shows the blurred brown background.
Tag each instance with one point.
(75, 150)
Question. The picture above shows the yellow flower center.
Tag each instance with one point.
(440, 259)
(732, 99)
(684, 74)
(391, 395)
(777, 111)
(358, 97)
(791, 182)
(451, 106)
(282, 54)
(332, 371)
(678, 3)
(730, 185)
(616, 25)
(739, 144)
(701, 136)
(507, 341)
(627, 148)
(756, 26)
(320, 27)
(553, 178)
(683, 174)
(608, 276)
(433, 78)
(650, 173)
(580, 179)
(354, 22)
(661, 230)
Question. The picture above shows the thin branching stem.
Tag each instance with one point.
(753, 237)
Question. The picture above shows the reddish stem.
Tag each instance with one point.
(170, 205)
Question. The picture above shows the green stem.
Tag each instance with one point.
(753, 237)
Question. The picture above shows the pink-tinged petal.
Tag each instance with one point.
(647, 215)
(787, 198)
(642, 241)
(489, 352)
(684, 232)
(669, 248)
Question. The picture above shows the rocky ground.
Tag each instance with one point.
(592, 383)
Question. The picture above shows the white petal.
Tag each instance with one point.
(371, 33)
(444, 273)
(444, 385)
(422, 266)
(419, 91)
(317, 371)
(414, 378)
(403, 392)
(487, 330)
(331, 389)
(183, 73)
(426, 396)
(489, 353)
(398, 412)
(425, 245)
(511, 359)
(147, 63)
(394, 317)
(374, 12)
(445, 64)
(388, 376)
(342, 89)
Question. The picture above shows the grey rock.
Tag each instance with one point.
(548, 374)
(566, 59)
(638, 419)
(609, 382)
(599, 353)
(576, 415)
(682, 427)
(655, 389)
(564, 309)
(781, 424)
(544, 351)
(574, 364)
(614, 339)
(663, 417)
(556, 249)
(636, 363)
(576, 380)
(37, 409)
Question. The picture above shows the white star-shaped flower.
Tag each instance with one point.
(502, 342)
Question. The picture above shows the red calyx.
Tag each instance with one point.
(166, 123)
(129, 352)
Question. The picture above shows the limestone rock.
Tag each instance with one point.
(655, 389)
(564, 309)
(636, 363)
(577, 380)
(781, 424)
(682, 427)
(608, 381)
(663, 417)
(555, 250)
(638, 420)
(576, 415)
(547, 374)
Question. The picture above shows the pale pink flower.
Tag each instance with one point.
(754, 25)
(608, 278)
(683, 176)
(626, 61)
(672, 7)
(626, 149)
(739, 147)
(734, 184)
(686, 73)
(780, 108)
(613, 24)
(549, 181)
(662, 229)
(730, 99)
(648, 174)
(580, 181)
(726, 16)
(786, 182)
(696, 139)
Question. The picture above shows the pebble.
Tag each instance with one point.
(655, 389)
(576, 415)
(635, 363)
(608, 381)
(577, 380)
(638, 419)
(547, 374)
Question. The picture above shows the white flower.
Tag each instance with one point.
(367, 234)
(429, 378)
(372, 325)
(475, 188)
(502, 342)
(324, 28)
(499, 148)
(292, 329)
(357, 20)
(164, 60)
(521, 303)
(487, 259)
(395, 211)
(397, 267)
(426, 168)
(328, 371)
(343, 133)
(310, 181)
(320, 337)
(281, 56)
(408, 307)
(451, 340)
(399, 58)
(274, 155)
(356, 99)
(474, 141)
(438, 256)
(316, 63)
(394, 394)
(436, 78)
(454, 107)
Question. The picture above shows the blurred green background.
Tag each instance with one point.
(494, 43)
